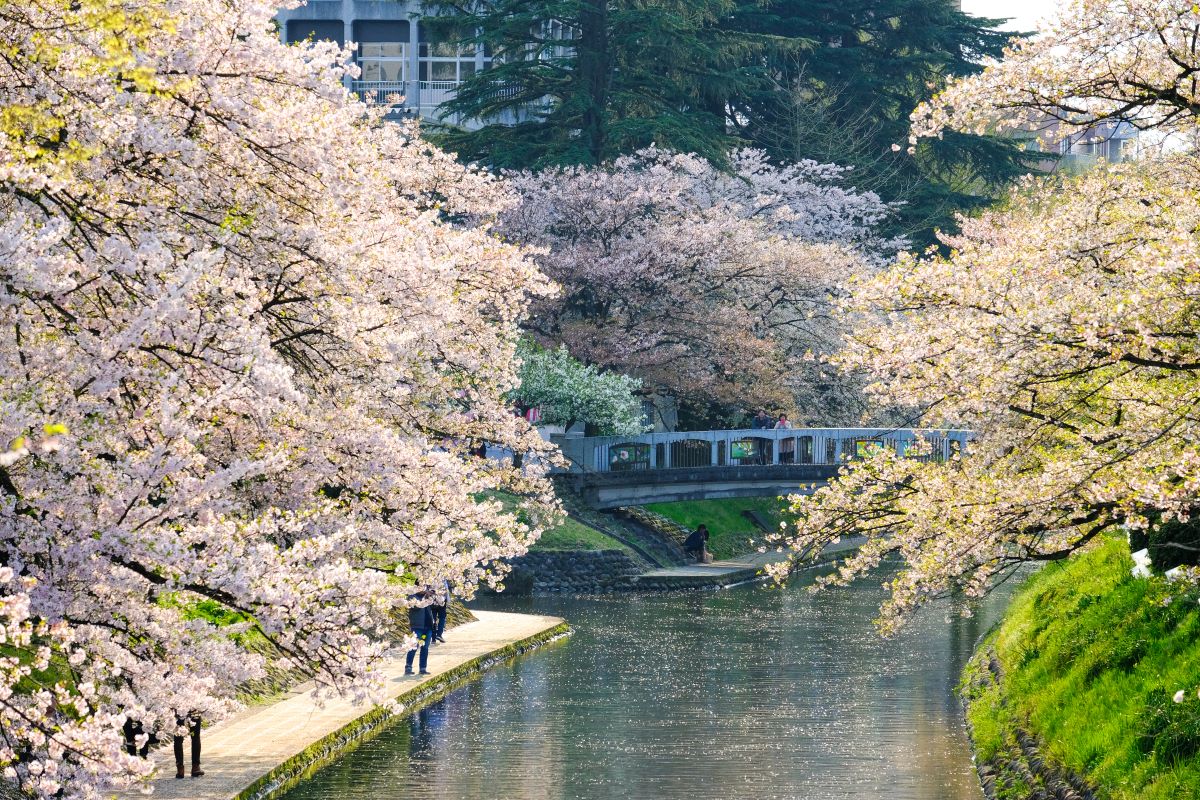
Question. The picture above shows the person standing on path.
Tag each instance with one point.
(187, 725)
(441, 607)
(420, 619)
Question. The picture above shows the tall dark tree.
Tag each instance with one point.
(847, 100)
(580, 81)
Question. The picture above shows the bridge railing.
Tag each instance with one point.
(751, 447)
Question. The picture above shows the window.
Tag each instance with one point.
(443, 55)
(383, 50)
(316, 30)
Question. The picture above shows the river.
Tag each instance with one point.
(748, 693)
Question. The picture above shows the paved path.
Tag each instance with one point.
(754, 561)
(240, 750)
(751, 561)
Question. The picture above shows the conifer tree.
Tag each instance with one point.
(593, 79)
(847, 99)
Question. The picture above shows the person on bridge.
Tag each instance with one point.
(787, 447)
(696, 544)
(762, 421)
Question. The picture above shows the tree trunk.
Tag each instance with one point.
(593, 73)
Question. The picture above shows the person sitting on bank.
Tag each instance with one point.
(696, 544)
(420, 619)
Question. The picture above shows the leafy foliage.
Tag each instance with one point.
(847, 97)
(568, 392)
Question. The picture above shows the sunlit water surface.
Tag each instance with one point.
(750, 692)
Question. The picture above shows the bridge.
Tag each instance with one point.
(614, 471)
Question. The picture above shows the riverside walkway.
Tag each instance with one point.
(257, 752)
(730, 571)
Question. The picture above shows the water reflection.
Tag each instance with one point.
(746, 693)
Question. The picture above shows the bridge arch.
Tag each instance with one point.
(658, 467)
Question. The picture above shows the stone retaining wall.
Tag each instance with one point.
(573, 572)
(1023, 769)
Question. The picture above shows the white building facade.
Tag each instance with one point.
(409, 62)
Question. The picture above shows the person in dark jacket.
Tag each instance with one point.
(762, 421)
(696, 544)
(420, 619)
(133, 729)
(441, 606)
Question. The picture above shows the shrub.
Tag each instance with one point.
(1174, 543)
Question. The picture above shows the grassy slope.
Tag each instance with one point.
(574, 535)
(570, 535)
(731, 532)
(1091, 657)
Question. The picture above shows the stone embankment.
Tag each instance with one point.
(1021, 768)
(574, 572)
(603, 571)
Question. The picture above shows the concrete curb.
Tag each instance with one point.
(374, 722)
(673, 583)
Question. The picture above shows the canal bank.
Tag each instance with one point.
(266, 750)
(756, 692)
(1088, 687)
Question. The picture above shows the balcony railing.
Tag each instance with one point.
(386, 93)
(427, 96)
(434, 93)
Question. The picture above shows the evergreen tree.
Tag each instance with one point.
(592, 79)
(848, 99)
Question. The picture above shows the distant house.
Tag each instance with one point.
(1077, 149)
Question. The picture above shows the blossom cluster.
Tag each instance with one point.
(1061, 328)
(268, 328)
(704, 284)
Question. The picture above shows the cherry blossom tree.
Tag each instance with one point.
(245, 340)
(1062, 329)
(1133, 61)
(703, 284)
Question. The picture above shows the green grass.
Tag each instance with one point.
(570, 534)
(574, 535)
(1091, 658)
(732, 534)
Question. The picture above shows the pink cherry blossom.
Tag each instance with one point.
(248, 333)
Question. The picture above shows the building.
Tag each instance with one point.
(1077, 150)
(409, 62)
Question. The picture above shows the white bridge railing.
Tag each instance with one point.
(752, 447)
